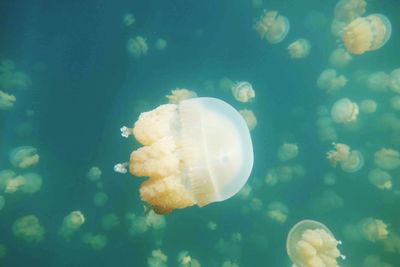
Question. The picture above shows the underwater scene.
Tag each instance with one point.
(186, 133)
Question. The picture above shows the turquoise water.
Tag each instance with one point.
(82, 85)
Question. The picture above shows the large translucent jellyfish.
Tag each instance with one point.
(299, 48)
(28, 228)
(278, 212)
(394, 80)
(272, 27)
(288, 151)
(350, 160)
(366, 34)
(71, 223)
(339, 58)
(196, 152)
(344, 111)
(311, 244)
(330, 82)
(6, 100)
(24, 157)
(380, 179)
(249, 118)
(137, 46)
(243, 92)
(387, 159)
(177, 95)
(373, 229)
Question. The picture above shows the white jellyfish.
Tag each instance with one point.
(380, 179)
(177, 95)
(249, 118)
(6, 100)
(368, 106)
(71, 223)
(299, 48)
(311, 244)
(350, 160)
(344, 111)
(24, 157)
(243, 92)
(387, 159)
(339, 58)
(288, 151)
(278, 212)
(28, 228)
(137, 46)
(184, 170)
(330, 82)
(160, 44)
(394, 80)
(272, 27)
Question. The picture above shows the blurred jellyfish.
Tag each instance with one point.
(155, 220)
(137, 46)
(373, 229)
(330, 82)
(95, 241)
(226, 84)
(180, 165)
(366, 34)
(348, 10)
(245, 192)
(329, 178)
(299, 48)
(310, 244)
(185, 260)
(10, 78)
(178, 95)
(339, 58)
(94, 174)
(277, 211)
(5, 177)
(392, 243)
(375, 261)
(2, 202)
(160, 44)
(326, 201)
(368, 106)
(212, 225)
(28, 228)
(387, 159)
(344, 111)
(288, 151)
(394, 80)
(243, 92)
(129, 19)
(32, 183)
(136, 224)
(109, 221)
(377, 81)
(15, 184)
(24, 157)
(100, 199)
(157, 259)
(381, 179)
(350, 160)
(272, 27)
(6, 101)
(249, 118)
(326, 129)
(229, 263)
(395, 103)
(71, 223)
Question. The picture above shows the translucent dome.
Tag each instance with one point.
(196, 152)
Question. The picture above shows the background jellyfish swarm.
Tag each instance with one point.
(196, 152)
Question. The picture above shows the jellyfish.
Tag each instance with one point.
(7, 101)
(177, 95)
(310, 244)
(329, 81)
(377, 81)
(392, 242)
(10, 78)
(299, 48)
(94, 174)
(326, 201)
(95, 241)
(348, 10)
(100, 199)
(229, 263)
(368, 106)
(28, 228)
(109, 221)
(212, 225)
(373, 260)
(272, 27)
(137, 46)
(394, 80)
(157, 259)
(340, 58)
(366, 34)
(243, 92)
(129, 19)
(329, 179)
(5, 177)
(381, 179)
(387, 159)
(373, 229)
(344, 111)
(395, 103)
(249, 118)
(185, 260)
(24, 157)
(196, 152)
(160, 44)
(278, 212)
(136, 224)
(71, 223)
(350, 160)
(32, 183)
(288, 151)
(225, 84)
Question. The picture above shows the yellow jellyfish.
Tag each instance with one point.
(394, 81)
(243, 92)
(311, 244)
(157, 259)
(366, 34)
(381, 179)
(249, 117)
(348, 10)
(71, 223)
(7, 101)
(368, 106)
(350, 160)
(24, 157)
(196, 152)
(177, 95)
(272, 27)
(137, 46)
(344, 111)
(373, 229)
(387, 159)
(28, 228)
(299, 48)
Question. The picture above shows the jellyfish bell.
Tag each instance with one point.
(299, 48)
(272, 27)
(344, 111)
(354, 162)
(310, 243)
(366, 34)
(243, 91)
(24, 157)
(195, 152)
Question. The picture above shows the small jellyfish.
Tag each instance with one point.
(272, 27)
(368, 106)
(394, 80)
(160, 44)
(225, 84)
(137, 46)
(95, 241)
(24, 157)
(28, 228)
(330, 82)
(348, 10)
(94, 174)
(350, 160)
(5, 177)
(373, 229)
(366, 34)
(249, 118)
(374, 261)
(32, 183)
(157, 259)
(177, 95)
(100, 199)
(196, 152)
(387, 159)
(344, 111)
(278, 212)
(299, 48)
(129, 19)
(311, 244)
(288, 151)
(7, 101)
(71, 223)
(109, 221)
(381, 179)
(340, 58)
(243, 92)
(377, 81)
